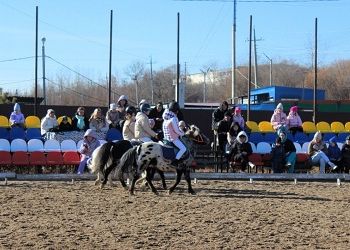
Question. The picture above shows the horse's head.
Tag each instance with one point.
(196, 136)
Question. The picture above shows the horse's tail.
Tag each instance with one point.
(99, 158)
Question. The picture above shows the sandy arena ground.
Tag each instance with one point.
(223, 215)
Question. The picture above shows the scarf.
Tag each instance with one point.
(80, 122)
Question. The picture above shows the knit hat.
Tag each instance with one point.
(123, 97)
(16, 107)
(294, 109)
(142, 102)
(318, 135)
(112, 106)
(279, 106)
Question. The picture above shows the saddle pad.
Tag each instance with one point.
(168, 152)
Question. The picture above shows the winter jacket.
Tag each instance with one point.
(84, 122)
(99, 124)
(293, 120)
(48, 123)
(87, 147)
(239, 119)
(278, 119)
(171, 126)
(112, 117)
(129, 130)
(142, 126)
(238, 147)
(333, 152)
(16, 118)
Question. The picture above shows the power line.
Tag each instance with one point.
(260, 1)
(17, 59)
(29, 80)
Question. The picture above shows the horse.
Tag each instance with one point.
(107, 156)
(152, 155)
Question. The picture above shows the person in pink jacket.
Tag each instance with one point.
(237, 117)
(279, 118)
(294, 122)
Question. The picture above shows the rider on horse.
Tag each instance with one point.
(171, 130)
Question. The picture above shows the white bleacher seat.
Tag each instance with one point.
(18, 145)
(5, 145)
(297, 147)
(35, 145)
(52, 145)
(305, 147)
(79, 143)
(253, 147)
(263, 148)
(68, 145)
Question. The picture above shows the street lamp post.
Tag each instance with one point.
(205, 72)
(43, 40)
(270, 60)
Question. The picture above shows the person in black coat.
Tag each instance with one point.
(219, 114)
(80, 122)
(64, 125)
(240, 151)
(223, 129)
(345, 155)
(156, 114)
(277, 156)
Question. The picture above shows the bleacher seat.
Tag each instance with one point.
(300, 138)
(256, 159)
(4, 133)
(17, 133)
(113, 134)
(270, 137)
(68, 145)
(347, 127)
(5, 145)
(19, 145)
(20, 158)
(323, 127)
(340, 145)
(52, 145)
(33, 133)
(342, 137)
(265, 127)
(35, 145)
(337, 127)
(4, 122)
(256, 137)
(309, 127)
(37, 159)
(71, 158)
(253, 126)
(297, 147)
(54, 158)
(253, 147)
(263, 148)
(304, 147)
(327, 136)
(79, 143)
(32, 121)
(5, 157)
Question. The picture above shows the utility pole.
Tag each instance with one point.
(233, 87)
(152, 86)
(136, 89)
(43, 40)
(255, 63)
(205, 72)
(110, 59)
(36, 60)
(270, 60)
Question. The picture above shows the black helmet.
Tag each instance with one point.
(174, 106)
(145, 107)
(130, 110)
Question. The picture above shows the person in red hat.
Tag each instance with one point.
(294, 122)
(237, 117)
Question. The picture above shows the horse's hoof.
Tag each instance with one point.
(192, 192)
(126, 188)
(131, 193)
(170, 191)
(102, 186)
(97, 182)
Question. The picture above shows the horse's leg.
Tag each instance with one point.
(120, 177)
(161, 174)
(110, 178)
(188, 179)
(106, 174)
(97, 181)
(132, 186)
(149, 181)
(177, 181)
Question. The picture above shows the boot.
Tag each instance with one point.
(175, 162)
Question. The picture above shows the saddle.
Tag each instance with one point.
(169, 151)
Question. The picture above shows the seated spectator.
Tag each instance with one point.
(16, 117)
(143, 130)
(80, 122)
(237, 117)
(232, 134)
(223, 129)
(112, 116)
(49, 123)
(345, 155)
(219, 114)
(65, 125)
(289, 149)
(279, 118)
(88, 146)
(97, 121)
(240, 151)
(277, 156)
(156, 114)
(333, 152)
(129, 125)
(317, 151)
(294, 122)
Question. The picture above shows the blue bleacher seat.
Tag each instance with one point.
(17, 133)
(113, 134)
(270, 137)
(342, 137)
(4, 133)
(311, 136)
(33, 133)
(256, 137)
(301, 138)
(327, 136)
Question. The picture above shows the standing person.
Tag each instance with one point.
(143, 130)
(240, 151)
(223, 129)
(80, 122)
(17, 117)
(289, 149)
(237, 117)
(219, 114)
(49, 123)
(277, 156)
(122, 104)
(317, 151)
(345, 154)
(156, 114)
(112, 116)
(172, 131)
(88, 146)
(129, 125)
(98, 122)
(279, 118)
(294, 122)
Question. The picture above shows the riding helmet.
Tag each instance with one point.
(174, 107)
(145, 107)
(130, 110)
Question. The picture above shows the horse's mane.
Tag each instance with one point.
(195, 135)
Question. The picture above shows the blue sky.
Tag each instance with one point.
(77, 35)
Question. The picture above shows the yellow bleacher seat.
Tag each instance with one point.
(59, 119)
(337, 127)
(323, 127)
(309, 127)
(347, 127)
(32, 121)
(253, 126)
(4, 121)
(265, 127)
